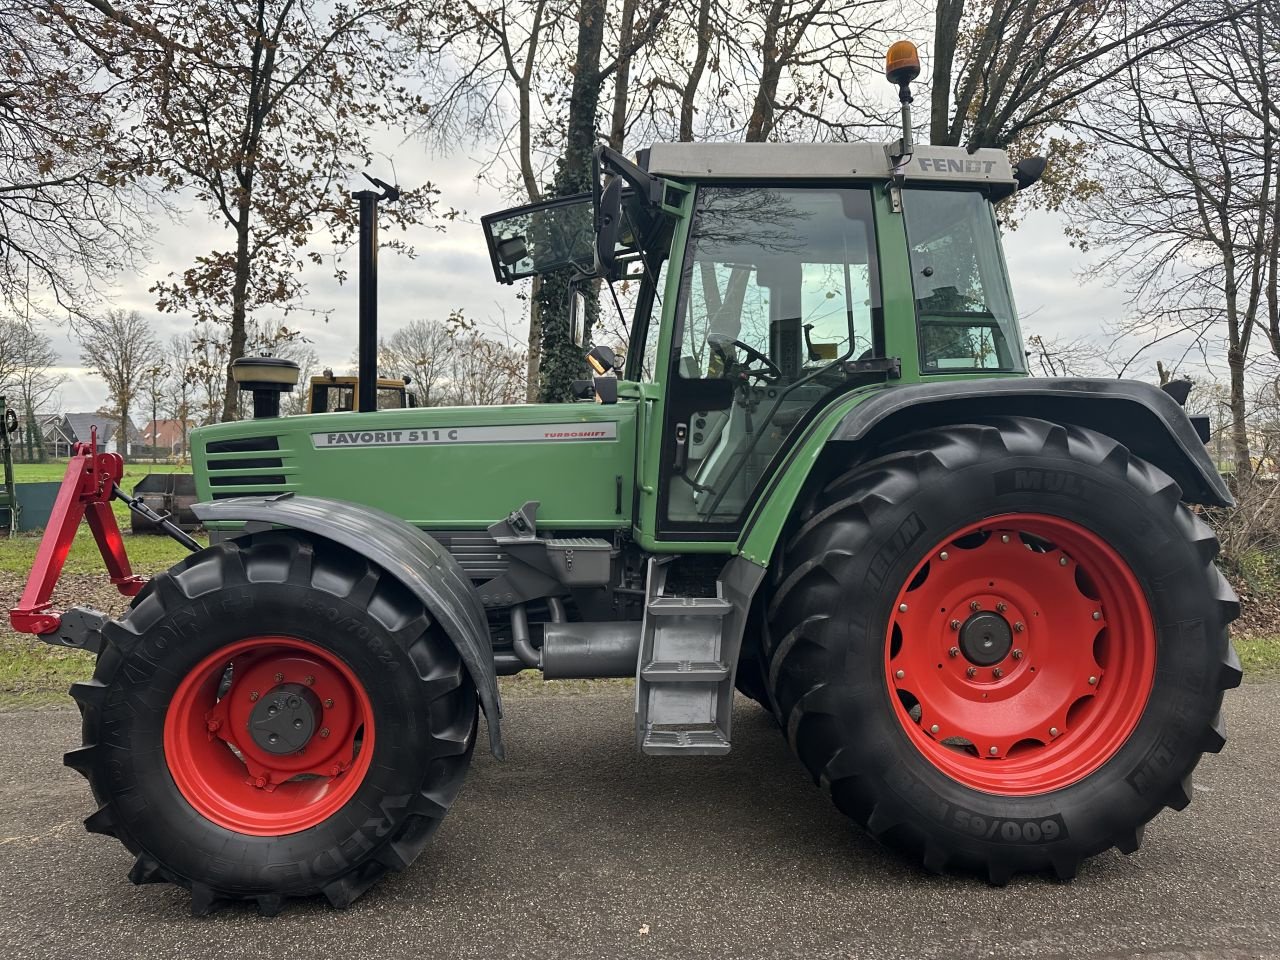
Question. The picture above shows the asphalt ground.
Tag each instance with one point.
(578, 847)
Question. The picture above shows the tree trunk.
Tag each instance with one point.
(561, 360)
(946, 28)
(122, 437)
(239, 296)
(1239, 430)
(535, 343)
(622, 77)
(690, 92)
(761, 121)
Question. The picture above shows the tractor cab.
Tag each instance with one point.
(768, 280)
(332, 394)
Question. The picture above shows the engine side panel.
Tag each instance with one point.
(448, 468)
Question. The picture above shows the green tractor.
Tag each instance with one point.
(977, 603)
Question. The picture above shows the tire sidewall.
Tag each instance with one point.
(1144, 529)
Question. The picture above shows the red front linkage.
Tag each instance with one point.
(87, 490)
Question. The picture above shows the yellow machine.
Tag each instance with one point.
(330, 394)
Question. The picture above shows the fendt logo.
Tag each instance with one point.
(952, 165)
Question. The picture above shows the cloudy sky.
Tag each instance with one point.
(451, 270)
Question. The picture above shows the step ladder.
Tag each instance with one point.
(684, 679)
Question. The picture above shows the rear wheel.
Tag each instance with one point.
(275, 717)
(1001, 646)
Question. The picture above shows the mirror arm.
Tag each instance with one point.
(608, 160)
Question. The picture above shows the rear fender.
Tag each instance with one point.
(1142, 417)
(415, 559)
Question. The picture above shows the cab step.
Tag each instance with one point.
(684, 683)
(672, 742)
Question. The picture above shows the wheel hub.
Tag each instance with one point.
(985, 639)
(270, 735)
(285, 719)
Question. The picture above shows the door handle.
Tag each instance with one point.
(681, 459)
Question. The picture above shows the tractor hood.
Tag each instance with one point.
(444, 468)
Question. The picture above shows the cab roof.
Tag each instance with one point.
(820, 161)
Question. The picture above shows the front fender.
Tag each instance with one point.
(407, 553)
(1142, 417)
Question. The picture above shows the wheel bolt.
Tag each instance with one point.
(1004, 538)
(934, 728)
(1053, 731)
(997, 673)
(1062, 561)
(955, 624)
(975, 606)
(324, 731)
(942, 555)
(297, 724)
(953, 652)
(1001, 607)
(993, 751)
(1017, 654)
(1093, 681)
(279, 677)
(213, 725)
(900, 674)
(308, 679)
(253, 696)
(1097, 615)
(902, 608)
(272, 711)
(971, 672)
(260, 782)
(273, 738)
(329, 703)
(1019, 627)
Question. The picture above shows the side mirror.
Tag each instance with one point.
(577, 313)
(608, 227)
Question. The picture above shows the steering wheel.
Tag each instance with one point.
(718, 345)
(10, 421)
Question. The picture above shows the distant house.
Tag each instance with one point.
(72, 428)
(167, 435)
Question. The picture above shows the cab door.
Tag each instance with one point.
(774, 311)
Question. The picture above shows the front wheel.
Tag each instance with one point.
(275, 717)
(1002, 646)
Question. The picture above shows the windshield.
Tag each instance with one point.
(963, 304)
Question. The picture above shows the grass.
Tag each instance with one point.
(154, 552)
(133, 472)
(34, 674)
(147, 553)
(1259, 656)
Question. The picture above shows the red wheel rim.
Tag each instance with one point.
(215, 742)
(1044, 700)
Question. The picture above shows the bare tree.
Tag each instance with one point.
(1191, 165)
(422, 349)
(1013, 73)
(181, 399)
(263, 113)
(70, 173)
(119, 348)
(27, 359)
